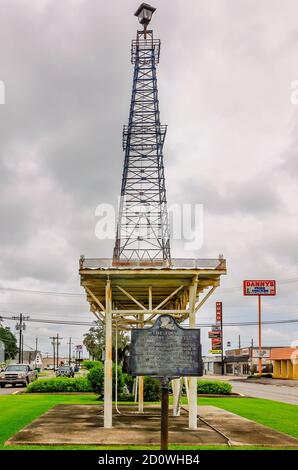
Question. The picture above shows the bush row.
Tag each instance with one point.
(60, 384)
(95, 382)
(214, 387)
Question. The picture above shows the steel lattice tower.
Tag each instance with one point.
(143, 228)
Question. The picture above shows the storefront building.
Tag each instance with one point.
(285, 363)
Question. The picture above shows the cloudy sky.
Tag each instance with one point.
(225, 92)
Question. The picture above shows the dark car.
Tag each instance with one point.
(65, 371)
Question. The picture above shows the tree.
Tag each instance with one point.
(94, 341)
(10, 342)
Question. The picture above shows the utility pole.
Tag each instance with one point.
(239, 342)
(20, 326)
(36, 348)
(58, 344)
(252, 342)
(69, 351)
(53, 338)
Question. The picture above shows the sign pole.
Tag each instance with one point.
(222, 341)
(164, 425)
(260, 335)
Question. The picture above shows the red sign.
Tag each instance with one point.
(218, 312)
(214, 334)
(259, 287)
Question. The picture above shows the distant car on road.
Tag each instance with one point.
(15, 374)
(65, 371)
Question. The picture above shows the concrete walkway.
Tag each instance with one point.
(82, 424)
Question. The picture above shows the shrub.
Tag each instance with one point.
(215, 387)
(59, 384)
(152, 389)
(95, 378)
(90, 364)
(128, 381)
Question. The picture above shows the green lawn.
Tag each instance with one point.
(16, 411)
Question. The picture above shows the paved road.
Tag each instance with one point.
(9, 390)
(282, 393)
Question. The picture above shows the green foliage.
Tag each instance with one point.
(10, 342)
(94, 341)
(95, 378)
(214, 387)
(59, 384)
(128, 381)
(152, 389)
(90, 364)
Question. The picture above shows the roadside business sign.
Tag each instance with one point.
(215, 351)
(218, 312)
(214, 334)
(259, 287)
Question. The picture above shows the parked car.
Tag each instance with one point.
(15, 374)
(65, 371)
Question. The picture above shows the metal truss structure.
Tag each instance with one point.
(143, 227)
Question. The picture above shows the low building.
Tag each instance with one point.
(285, 363)
(212, 365)
(33, 358)
(48, 362)
(244, 361)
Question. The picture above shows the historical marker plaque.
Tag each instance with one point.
(166, 350)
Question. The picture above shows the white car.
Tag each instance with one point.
(15, 374)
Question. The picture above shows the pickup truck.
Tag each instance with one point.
(17, 374)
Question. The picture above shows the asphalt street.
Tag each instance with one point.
(283, 393)
(9, 390)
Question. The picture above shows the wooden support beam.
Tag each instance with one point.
(148, 312)
(96, 300)
(199, 305)
(150, 298)
(168, 298)
(131, 297)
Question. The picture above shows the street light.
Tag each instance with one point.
(144, 14)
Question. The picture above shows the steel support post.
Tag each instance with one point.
(192, 403)
(176, 383)
(141, 379)
(108, 371)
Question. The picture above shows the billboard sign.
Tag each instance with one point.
(259, 287)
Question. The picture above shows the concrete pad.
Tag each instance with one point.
(83, 424)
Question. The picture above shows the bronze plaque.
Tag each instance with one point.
(166, 350)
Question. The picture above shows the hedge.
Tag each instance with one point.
(95, 378)
(215, 387)
(90, 364)
(59, 384)
(152, 389)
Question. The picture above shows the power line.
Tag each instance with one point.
(78, 294)
(200, 325)
(30, 291)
